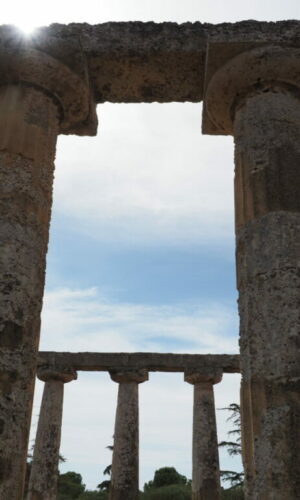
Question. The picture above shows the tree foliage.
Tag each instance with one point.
(234, 448)
(165, 476)
(70, 486)
(171, 492)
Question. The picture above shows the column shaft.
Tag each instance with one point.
(247, 438)
(267, 186)
(206, 474)
(44, 470)
(125, 465)
(28, 132)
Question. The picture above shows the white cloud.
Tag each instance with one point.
(84, 319)
(148, 177)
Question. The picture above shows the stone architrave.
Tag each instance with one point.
(255, 97)
(125, 463)
(206, 473)
(44, 468)
(40, 97)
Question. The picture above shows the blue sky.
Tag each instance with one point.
(141, 253)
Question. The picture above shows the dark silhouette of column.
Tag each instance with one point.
(255, 97)
(44, 468)
(206, 473)
(125, 464)
(40, 97)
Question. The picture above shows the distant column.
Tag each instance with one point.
(44, 469)
(206, 474)
(125, 464)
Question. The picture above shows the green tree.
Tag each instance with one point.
(70, 486)
(93, 495)
(105, 485)
(234, 448)
(165, 476)
(171, 492)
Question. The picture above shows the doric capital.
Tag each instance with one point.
(203, 376)
(51, 374)
(128, 376)
(69, 89)
(238, 73)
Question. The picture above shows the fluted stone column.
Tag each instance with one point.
(44, 468)
(255, 97)
(39, 98)
(125, 464)
(206, 473)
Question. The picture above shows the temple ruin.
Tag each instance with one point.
(248, 76)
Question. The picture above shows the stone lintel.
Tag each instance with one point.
(206, 376)
(144, 62)
(152, 362)
(129, 376)
(47, 374)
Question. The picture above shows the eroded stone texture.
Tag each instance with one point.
(28, 131)
(125, 464)
(267, 136)
(247, 437)
(145, 62)
(263, 113)
(44, 469)
(206, 473)
(150, 361)
(32, 113)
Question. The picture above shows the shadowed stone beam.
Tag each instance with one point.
(146, 62)
(206, 473)
(125, 463)
(40, 97)
(44, 468)
(150, 361)
(253, 93)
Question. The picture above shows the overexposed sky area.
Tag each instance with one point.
(141, 254)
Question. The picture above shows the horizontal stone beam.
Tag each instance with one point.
(153, 362)
(144, 62)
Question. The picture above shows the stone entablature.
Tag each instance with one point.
(152, 362)
(145, 62)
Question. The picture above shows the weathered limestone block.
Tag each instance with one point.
(146, 62)
(44, 468)
(258, 94)
(125, 464)
(33, 110)
(151, 361)
(206, 473)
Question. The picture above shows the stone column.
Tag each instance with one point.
(206, 473)
(125, 464)
(255, 97)
(247, 437)
(44, 468)
(39, 98)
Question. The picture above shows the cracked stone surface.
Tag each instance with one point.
(27, 149)
(267, 133)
